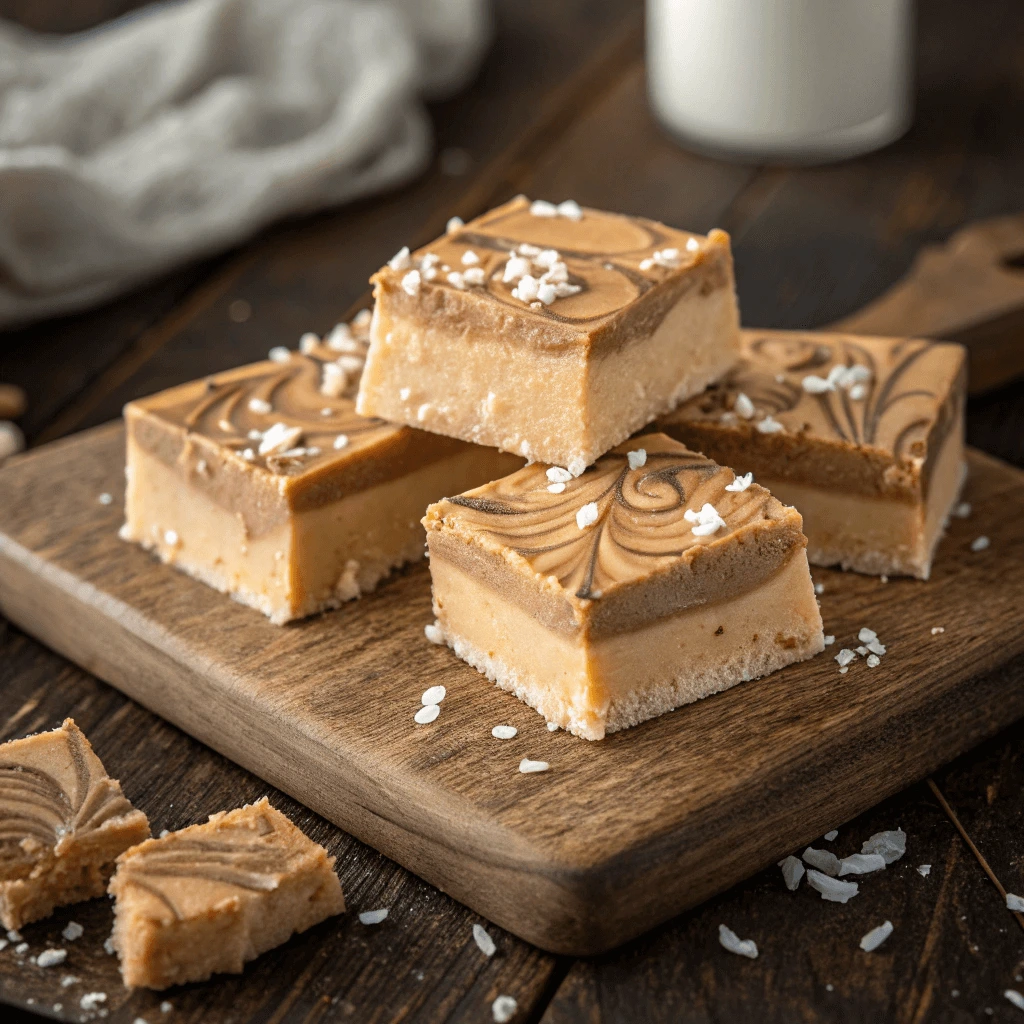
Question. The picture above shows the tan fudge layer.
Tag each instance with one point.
(863, 435)
(209, 898)
(647, 317)
(604, 625)
(63, 822)
(297, 527)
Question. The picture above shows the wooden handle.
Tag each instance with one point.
(969, 289)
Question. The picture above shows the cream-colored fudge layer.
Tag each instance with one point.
(63, 822)
(878, 536)
(209, 898)
(315, 559)
(624, 679)
(653, 579)
(647, 317)
(264, 483)
(863, 435)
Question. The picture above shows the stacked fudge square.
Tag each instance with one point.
(623, 571)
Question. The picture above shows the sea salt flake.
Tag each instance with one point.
(867, 635)
(542, 208)
(483, 940)
(891, 845)
(474, 276)
(52, 957)
(106, 499)
(692, 245)
(858, 392)
(516, 268)
(740, 483)
(962, 509)
(503, 1009)
(570, 209)
(873, 661)
(924, 870)
(792, 871)
(576, 466)
(875, 647)
(832, 889)
(469, 258)
(845, 656)
(401, 261)
(829, 836)
(504, 732)
(411, 283)
(1014, 902)
(743, 406)
(587, 515)
(552, 727)
(13, 935)
(829, 640)
(556, 488)
(373, 916)
(729, 940)
(546, 293)
(823, 860)
(876, 937)
(525, 249)
(936, 630)
(171, 538)
(528, 767)
(307, 345)
(526, 290)
(279, 438)
(108, 945)
(453, 225)
(279, 354)
(980, 543)
(68, 980)
(166, 1007)
(547, 258)
(861, 864)
(819, 588)
(770, 426)
(340, 339)
(433, 695)
(637, 459)
(707, 520)
(433, 632)
(817, 385)
(341, 441)
(259, 405)
(1013, 996)
(404, 394)
(557, 475)
(92, 1000)
(426, 714)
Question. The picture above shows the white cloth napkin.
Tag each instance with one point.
(182, 129)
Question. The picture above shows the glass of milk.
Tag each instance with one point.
(786, 80)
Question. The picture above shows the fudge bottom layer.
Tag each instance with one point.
(614, 682)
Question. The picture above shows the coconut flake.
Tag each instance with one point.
(504, 732)
(891, 845)
(861, 864)
(729, 940)
(373, 916)
(792, 871)
(832, 889)
(876, 937)
(823, 860)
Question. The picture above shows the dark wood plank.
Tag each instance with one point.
(575, 860)
(421, 963)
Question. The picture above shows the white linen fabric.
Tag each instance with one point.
(180, 130)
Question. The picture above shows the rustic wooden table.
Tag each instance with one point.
(558, 111)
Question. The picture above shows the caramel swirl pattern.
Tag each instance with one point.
(36, 806)
(640, 526)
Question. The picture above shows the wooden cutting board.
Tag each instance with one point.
(618, 835)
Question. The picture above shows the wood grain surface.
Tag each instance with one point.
(619, 835)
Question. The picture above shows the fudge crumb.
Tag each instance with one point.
(792, 871)
(373, 916)
(483, 940)
(770, 426)
(92, 1000)
(52, 957)
(504, 732)
(433, 695)
(637, 459)
(924, 870)
(876, 937)
(891, 845)
(829, 836)
(962, 509)
(401, 260)
(823, 860)
(743, 406)
(729, 940)
(587, 515)
(528, 767)
(832, 889)
(1015, 903)
(740, 483)
(861, 864)
(427, 714)
(106, 499)
(434, 633)
(552, 727)
(980, 543)
(503, 1009)
(829, 640)
(936, 630)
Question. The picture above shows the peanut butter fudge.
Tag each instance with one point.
(63, 822)
(652, 580)
(551, 332)
(264, 483)
(209, 898)
(865, 436)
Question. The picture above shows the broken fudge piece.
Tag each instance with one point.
(63, 822)
(865, 436)
(652, 580)
(208, 898)
(551, 332)
(264, 483)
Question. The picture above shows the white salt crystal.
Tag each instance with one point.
(556, 488)
(770, 426)
(483, 940)
(453, 225)
(743, 406)
(817, 385)
(433, 695)
(577, 466)
(1014, 997)
(980, 543)
(552, 727)
(166, 1007)
(108, 945)
(279, 354)
(587, 515)
(845, 656)
(924, 870)
(831, 888)
(401, 260)
(829, 836)
(876, 937)
(411, 283)
(873, 661)
(433, 632)
(962, 509)
(707, 520)
(829, 640)
(373, 916)
(570, 209)
(1014, 902)
(427, 714)
(504, 732)
(503, 1009)
(741, 483)
(734, 944)
(528, 767)
(91, 1000)
(792, 871)
(936, 630)
(891, 845)
(307, 345)
(557, 475)
(469, 258)
(823, 860)
(341, 441)
(73, 930)
(866, 635)
(259, 405)
(861, 864)
(52, 957)
(106, 499)
(542, 208)
(819, 588)
(279, 438)
(637, 459)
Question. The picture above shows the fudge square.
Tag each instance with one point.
(865, 436)
(551, 332)
(63, 822)
(208, 898)
(652, 580)
(264, 483)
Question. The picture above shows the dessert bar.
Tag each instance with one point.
(211, 897)
(551, 332)
(651, 580)
(63, 822)
(865, 436)
(264, 483)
